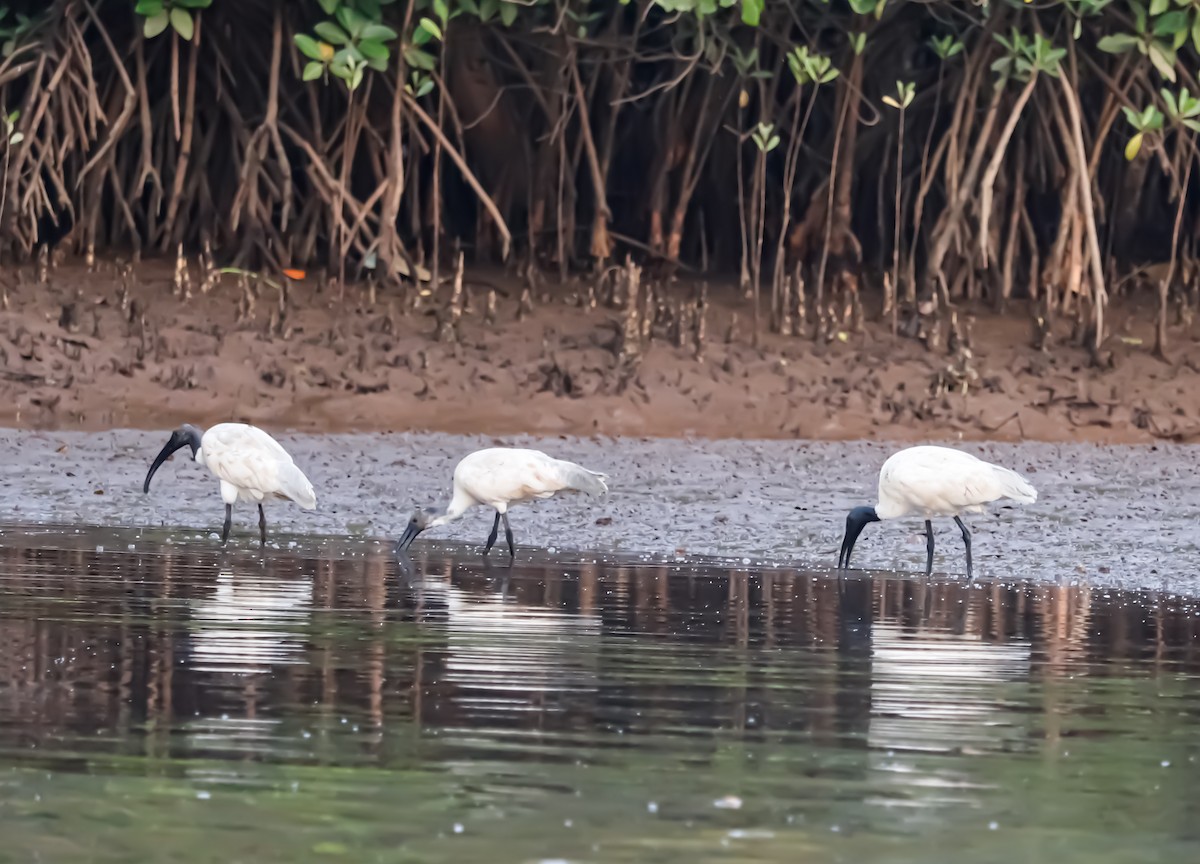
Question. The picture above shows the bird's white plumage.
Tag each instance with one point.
(252, 466)
(501, 476)
(940, 481)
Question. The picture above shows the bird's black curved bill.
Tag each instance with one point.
(165, 454)
(856, 521)
(847, 548)
(410, 534)
(854, 527)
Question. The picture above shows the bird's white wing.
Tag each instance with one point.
(243, 436)
(296, 486)
(939, 480)
(254, 462)
(252, 471)
(503, 474)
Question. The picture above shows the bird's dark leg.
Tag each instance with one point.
(228, 522)
(262, 525)
(512, 550)
(491, 541)
(966, 543)
(929, 547)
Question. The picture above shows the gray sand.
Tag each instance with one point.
(1106, 515)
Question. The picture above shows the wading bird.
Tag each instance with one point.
(250, 464)
(498, 477)
(935, 481)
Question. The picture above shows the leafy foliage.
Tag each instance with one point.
(605, 111)
(764, 137)
(17, 32)
(350, 41)
(176, 14)
(11, 135)
(1027, 55)
(904, 95)
(809, 67)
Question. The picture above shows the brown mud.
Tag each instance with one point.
(101, 350)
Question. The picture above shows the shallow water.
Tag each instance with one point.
(163, 700)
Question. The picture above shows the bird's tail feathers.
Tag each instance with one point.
(580, 478)
(295, 486)
(1015, 486)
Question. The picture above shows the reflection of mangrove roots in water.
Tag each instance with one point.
(926, 689)
(935, 655)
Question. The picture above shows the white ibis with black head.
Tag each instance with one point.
(498, 477)
(251, 465)
(933, 481)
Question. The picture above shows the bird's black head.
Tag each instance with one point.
(858, 519)
(186, 435)
(417, 523)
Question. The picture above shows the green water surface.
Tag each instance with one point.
(162, 700)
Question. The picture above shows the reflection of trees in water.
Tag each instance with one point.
(125, 641)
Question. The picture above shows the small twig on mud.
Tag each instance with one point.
(637, 244)
(1016, 415)
(238, 271)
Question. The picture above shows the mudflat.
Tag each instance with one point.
(1105, 515)
(97, 350)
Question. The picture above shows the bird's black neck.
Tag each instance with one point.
(865, 515)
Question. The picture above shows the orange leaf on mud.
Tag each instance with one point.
(294, 274)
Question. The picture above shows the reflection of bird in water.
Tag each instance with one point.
(937, 691)
(501, 657)
(935, 481)
(498, 477)
(251, 465)
(934, 696)
(252, 623)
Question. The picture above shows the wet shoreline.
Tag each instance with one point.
(1111, 516)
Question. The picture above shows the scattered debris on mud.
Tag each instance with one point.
(125, 348)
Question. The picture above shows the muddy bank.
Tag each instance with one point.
(1108, 515)
(100, 350)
